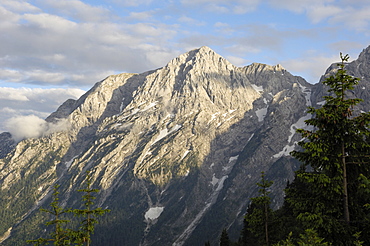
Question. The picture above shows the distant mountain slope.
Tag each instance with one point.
(7, 144)
(176, 152)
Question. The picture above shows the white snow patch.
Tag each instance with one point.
(233, 158)
(135, 111)
(175, 128)
(151, 105)
(230, 164)
(121, 107)
(214, 180)
(261, 113)
(229, 118)
(221, 183)
(185, 154)
(286, 151)
(210, 201)
(164, 132)
(214, 116)
(299, 124)
(169, 116)
(321, 103)
(153, 213)
(69, 163)
(257, 88)
(306, 91)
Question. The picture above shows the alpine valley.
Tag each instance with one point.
(175, 152)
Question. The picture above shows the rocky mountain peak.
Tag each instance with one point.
(204, 59)
(364, 55)
(176, 152)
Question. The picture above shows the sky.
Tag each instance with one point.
(52, 50)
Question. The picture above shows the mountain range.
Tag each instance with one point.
(175, 152)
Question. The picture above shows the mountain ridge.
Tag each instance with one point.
(176, 152)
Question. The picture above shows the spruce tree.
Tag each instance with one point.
(259, 216)
(59, 236)
(334, 153)
(67, 236)
(83, 235)
(224, 239)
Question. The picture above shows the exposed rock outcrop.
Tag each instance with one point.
(176, 152)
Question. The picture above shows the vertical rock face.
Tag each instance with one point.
(7, 144)
(176, 152)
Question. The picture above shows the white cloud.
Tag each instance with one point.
(243, 48)
(354, 18)
(78, 10)
(322, 12)
(47, 48)
(32, 126)
(346, 46)
(131, 3)
(145, 15)
(191, 21)
(225, 6)
(19, 6)
(48, 22)
(29, 126)
(350, 14)
(57, 95)
(237, 61)
(16, 102)
(299, 6)
(311, 66)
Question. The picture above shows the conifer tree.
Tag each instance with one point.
(308, 238)
(259, 217)
(224, 239)
(337, 150)
(60, 235)
(83, 235)
(67, 236)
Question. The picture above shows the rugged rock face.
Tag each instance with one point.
(176, 152)
(7, 144)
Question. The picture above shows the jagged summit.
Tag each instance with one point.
(176, 151)
(203, 58)
(365, 54)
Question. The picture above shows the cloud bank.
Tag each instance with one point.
(36, 102)
(32, 126)
(76, 42)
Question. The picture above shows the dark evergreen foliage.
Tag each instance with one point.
(83, 235)
(260, 213)
(329, 197)
(328, 201)
(67, 236)
(59, 236)
(224, 239)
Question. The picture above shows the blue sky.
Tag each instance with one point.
(52, 50)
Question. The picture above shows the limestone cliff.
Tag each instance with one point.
(176, 151)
